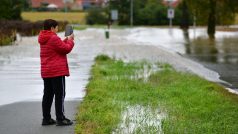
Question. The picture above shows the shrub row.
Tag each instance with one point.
(9, 29)
(26, 28)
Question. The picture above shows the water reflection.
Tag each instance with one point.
(220, 51)
(220, 55)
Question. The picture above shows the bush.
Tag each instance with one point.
(152, 14)
(26, 28)
(96, 16)
(7, 36)
(9, 29)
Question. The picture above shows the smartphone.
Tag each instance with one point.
(68, 30)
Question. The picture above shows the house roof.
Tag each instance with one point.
(175, 3)
(52, 6)
(60, 3)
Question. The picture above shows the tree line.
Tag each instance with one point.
(153, 12)
(148, 12)
(11, 9)
(213, 12)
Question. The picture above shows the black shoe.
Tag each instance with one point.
(64, 122)
(48, 122)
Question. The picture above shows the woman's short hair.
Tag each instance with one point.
(49, 23)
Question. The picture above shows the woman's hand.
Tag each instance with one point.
(71, 37)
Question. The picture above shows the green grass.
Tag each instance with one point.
(81, 27)
(236, 21)
(191, 104)
(71, 17)
(5, 41)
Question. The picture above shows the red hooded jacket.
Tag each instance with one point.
(53, 53)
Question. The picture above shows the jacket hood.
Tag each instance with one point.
(44, 36)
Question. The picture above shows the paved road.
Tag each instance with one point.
(25, 118)
(21, 87)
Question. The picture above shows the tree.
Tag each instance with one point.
(185, 18)
(212, 19)
(25, 4)
(216, 12)
(96, 16)
(146, 12)
(151, 13)
(123, 7)
(10, 9)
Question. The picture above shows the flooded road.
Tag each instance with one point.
(20, 64)
(20, 71)
(21, 86)
(220, 56)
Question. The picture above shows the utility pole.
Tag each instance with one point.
(194, 25)
(132, 12)
(65, 5)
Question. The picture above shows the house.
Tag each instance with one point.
(173, 3)
(58, 4)
(85, 4)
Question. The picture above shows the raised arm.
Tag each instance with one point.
(62, 47)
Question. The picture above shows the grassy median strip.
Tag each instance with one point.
(143, 98)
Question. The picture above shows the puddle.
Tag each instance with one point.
(143, 73)
(140, 119)
(146, 71)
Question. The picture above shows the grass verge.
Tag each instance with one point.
(71, 17)
(140, 97)
(236, 21)
(5, 41)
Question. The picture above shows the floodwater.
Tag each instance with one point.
(220, 56)
(20, 64)
(20, 71)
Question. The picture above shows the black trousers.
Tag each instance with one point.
(53, 87)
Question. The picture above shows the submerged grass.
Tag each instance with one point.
(190, 103)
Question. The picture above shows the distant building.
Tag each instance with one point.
(61, 4)
(57, 4)
(91, 3)
(175, 3)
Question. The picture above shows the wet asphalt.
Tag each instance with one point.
(25, 118)
(21, 87)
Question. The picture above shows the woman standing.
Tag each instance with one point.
(54, 68)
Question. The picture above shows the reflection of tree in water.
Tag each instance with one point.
(215, 51)
(203, 49)
(209, 50)
(185, 20)
(228, 49)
